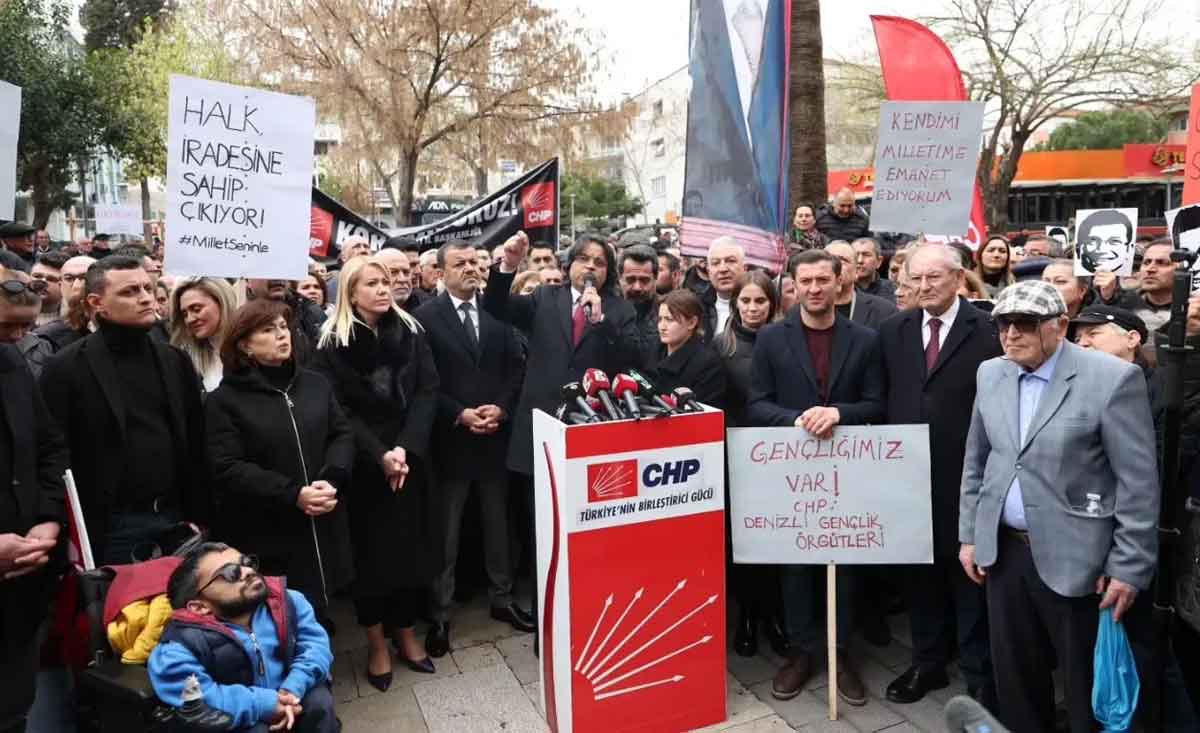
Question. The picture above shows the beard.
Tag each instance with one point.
(252, 595)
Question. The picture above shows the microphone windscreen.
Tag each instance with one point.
(965, 715)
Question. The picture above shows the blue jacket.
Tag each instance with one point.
(241, 672)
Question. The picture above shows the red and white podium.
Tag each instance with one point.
(631, 572)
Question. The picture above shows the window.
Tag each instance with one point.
(658, 109)
(659, 147)
(658, 186)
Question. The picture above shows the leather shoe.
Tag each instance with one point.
(915, 683)
(516, 617)
(791, 677)
(437, 641)
(745, 637)
(380, 682)
(850, 685)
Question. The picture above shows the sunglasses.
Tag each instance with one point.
(1023, 323)
(231, 572)
(17, 287)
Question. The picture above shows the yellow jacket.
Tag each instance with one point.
(136, 630)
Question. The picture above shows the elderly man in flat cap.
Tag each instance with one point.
(1059, 504)
(17, 239)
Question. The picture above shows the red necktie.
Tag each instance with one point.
(579, 321)
(934, 348)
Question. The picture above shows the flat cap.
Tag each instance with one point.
(1097, 314)
(1031, 298)
(15, 229)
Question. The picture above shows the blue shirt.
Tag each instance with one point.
(1030, 386)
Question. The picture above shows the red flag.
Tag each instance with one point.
(918, 67)
(1191, 171)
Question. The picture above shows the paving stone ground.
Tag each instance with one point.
(489, 682)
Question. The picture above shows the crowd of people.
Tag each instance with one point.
(331, 431)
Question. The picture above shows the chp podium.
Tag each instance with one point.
(631, 571)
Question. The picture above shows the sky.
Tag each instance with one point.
(646, 40)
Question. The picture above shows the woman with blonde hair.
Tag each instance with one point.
(201, 312)
(378, 360)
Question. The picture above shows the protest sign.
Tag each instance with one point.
(10, 129)
(119, 219)
(1104, 241)
(1191, 167)
(1059, 234)
(1183, 224)
(862, 497)
(239, 180)
(528, 204)
(925, 167)
(332, 223)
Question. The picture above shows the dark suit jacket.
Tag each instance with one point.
(942, 399)
(81, 388)
(784, 383)
(694, 365)
(727, 178)
(871, 310)
(611, 346)
(467, 380)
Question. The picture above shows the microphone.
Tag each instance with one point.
(577, 418)
(626, 388)
(589, 281)
(965, 715)
(686, 400)
(597, 408)
(646, 388)
(572, 392)
(596, 384)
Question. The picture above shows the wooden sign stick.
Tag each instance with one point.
(831, 636)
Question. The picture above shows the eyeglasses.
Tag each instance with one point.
(1023, 323)
(71, 279)
(17, 287)
(230, 572)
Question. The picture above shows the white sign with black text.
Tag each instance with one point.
(925, 167)
(239, 180)
(119, 219)
(10, 129)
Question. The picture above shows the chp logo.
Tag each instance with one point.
(537, 201)
(619, 479)
(612, 480)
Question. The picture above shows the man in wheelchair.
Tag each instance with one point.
(255, 647)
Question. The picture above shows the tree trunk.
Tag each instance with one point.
(147, 214)
(406, 180)
(809, 172)
(83, 195)
(481, 180)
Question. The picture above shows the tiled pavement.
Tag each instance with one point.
(488, 682)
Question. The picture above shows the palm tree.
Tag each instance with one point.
(806, 97)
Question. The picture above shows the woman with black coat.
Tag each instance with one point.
(755, 588)
(280, 451)
(381, 367)
(684, 360)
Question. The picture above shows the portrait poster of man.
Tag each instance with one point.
(1059, 234)
(735, 180)
(1184, 227)
(1104, 241)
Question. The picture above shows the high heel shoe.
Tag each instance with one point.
(380, 682)
(424, 666)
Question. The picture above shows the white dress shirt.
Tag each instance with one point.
(1030, 387)
(474, 312)
(947, 320)
(724, 308)
(746, 76)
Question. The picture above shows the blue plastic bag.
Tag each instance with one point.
(1115, 688)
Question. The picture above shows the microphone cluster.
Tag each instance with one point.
(626, 397)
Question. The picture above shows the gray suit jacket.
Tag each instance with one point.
(1092, 433)
(871, 310)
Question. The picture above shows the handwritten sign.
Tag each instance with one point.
(10, 128)
(1191, 169)
(925, 167)
(119, 219)
(239, 180)
(862, 497)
